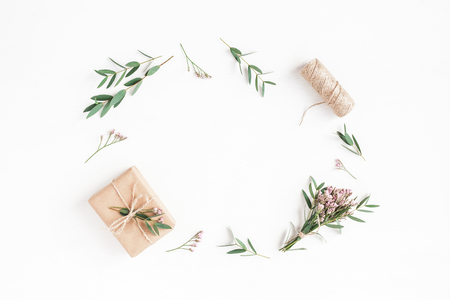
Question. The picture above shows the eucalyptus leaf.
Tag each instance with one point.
(263, 88)
(150, 228)
(94, 110)
(348, 139)
(102, 97)
(307, 199)
(106, 108)
(111, 81)
(249, 255)
(356, 219)
(117, 63)
(249, 75)
(121, 77)
(356, 143)
(371, 205)
(105, 71)
(366, 211)
(320, 186)
(350, 149)
(293, 249)
(162, 226)
(311, 192)
(314, 182)
(136, 87)
(132, 70)
(256, 83)
(98, 72)
(238, 59)
(334, 226)
(235, 50)
(340, 229)
(270, 82)
(156, 229)
(133, 81)
(256, 69)
(363, 201)
(145, 54)
(248, 53)
(152, 70)
(118, 97)
(251, 246)
(102, 82)
(342, 137)
(236, 251)
(241, 243)
(90, 107)
(133, 64)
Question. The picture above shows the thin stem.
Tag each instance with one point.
(196, 235)
(349, 173)
(106, 145)
(194, 65)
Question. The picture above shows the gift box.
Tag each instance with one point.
(130, 190)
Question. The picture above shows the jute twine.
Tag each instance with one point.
(118, 225)
(328, 88)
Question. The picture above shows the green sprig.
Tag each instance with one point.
(259, 82)
(199, 72)
(106, 102)
(116, 138)
(242, 248)
(350, 141)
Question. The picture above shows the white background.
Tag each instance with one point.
(218, 154)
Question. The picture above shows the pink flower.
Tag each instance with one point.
(161, 220)
(338, 164)
(194, 245)
(191, 249)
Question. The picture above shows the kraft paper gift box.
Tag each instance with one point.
(133, 237)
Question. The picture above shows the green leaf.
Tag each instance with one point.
(248, 53)
(341, 136)
(314, 182)
(356, 143)
(156, 229)
(145, 54)
(348, 139)
(256, 68)
(311, 192)
(235, 50)
(105, 71)
(249, 75)
(350, 149)
(363, 201)
(241, 243)
(371, 205)
(226, 245)
(340, 229)
(293, 249)
(90, 107)
(334, 226)
(121, 77)
(111, 81)
(102, 97)
(106, 108)
(263, 89)
(133, 64)
(236, 251)
(136, 87)
(152, 70)
(366, 211)
(307, 199)
(249, 255)
(345, 128)
(162, 226)
(320, 186)
(102, 74)
(132, 71)
(117, 63)
(251, 246)
(356, 219)
(133, 81)
(256, 83)
(94, 110)
(150, 228)
(236, 57)
(102, 82)
(118, 97)
(270, 82)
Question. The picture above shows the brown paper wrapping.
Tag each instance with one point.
(131, 237)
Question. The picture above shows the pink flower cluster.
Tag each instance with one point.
(333, 201)
(158, 211)
(117, 136)
(197, 239)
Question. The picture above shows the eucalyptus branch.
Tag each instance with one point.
(237, 54)
(345, 137)
(133, 65)
(117, 137)
(106, 102)
(197, 70)
(242, 248)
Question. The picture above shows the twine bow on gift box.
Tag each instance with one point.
(118, 225)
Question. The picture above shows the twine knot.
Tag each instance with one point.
(118, 225)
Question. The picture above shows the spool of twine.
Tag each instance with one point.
(328, 88)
